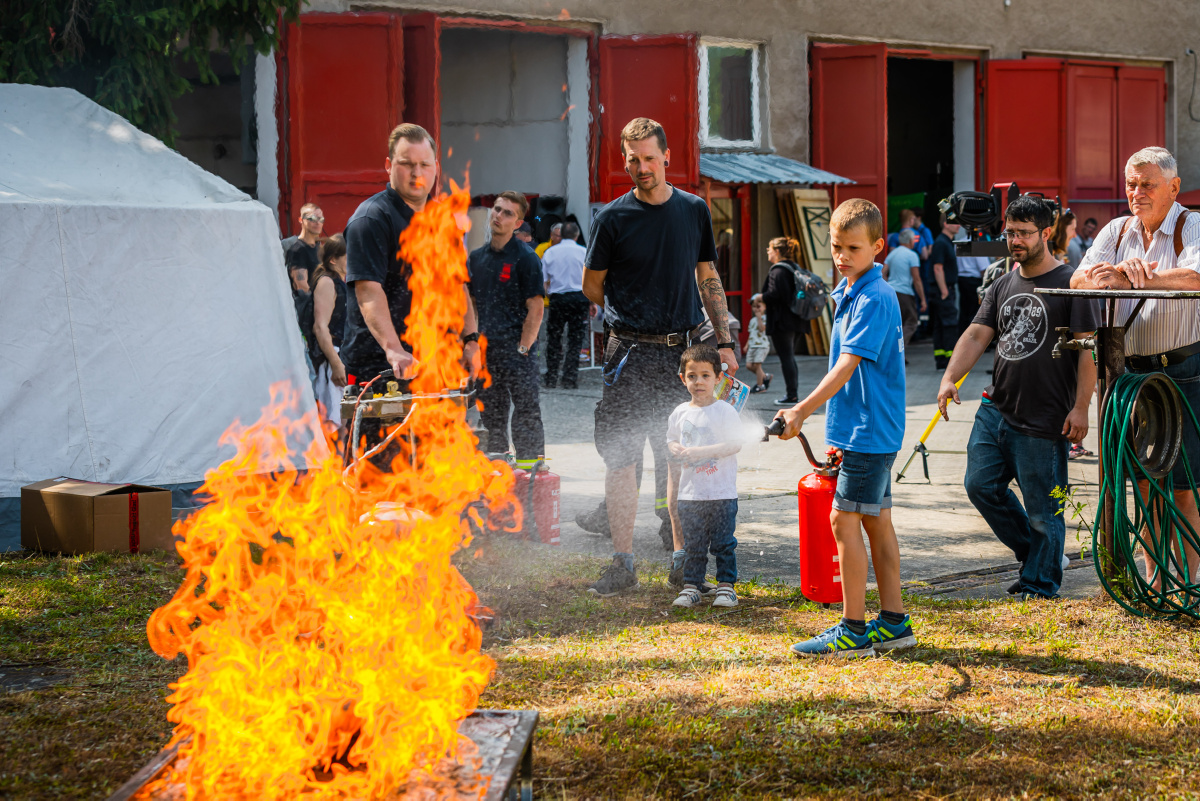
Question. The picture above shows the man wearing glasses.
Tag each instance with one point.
(1035, 404)
(300, 252)
(375, 311)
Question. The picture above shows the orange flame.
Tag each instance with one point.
(330, 644)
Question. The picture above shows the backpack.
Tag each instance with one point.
(811, 294)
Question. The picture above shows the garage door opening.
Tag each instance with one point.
(508, 102)
(920, 121)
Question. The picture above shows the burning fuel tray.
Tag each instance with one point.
(504, 738)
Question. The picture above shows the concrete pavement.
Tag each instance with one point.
(940, 532)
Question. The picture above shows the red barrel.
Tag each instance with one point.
(820, 571)
(545, 511)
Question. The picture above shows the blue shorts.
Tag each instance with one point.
(864, 484)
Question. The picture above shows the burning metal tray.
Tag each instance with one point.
(504, 738)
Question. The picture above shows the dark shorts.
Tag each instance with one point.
(641, 389)
(864, 484)
(1186, 376)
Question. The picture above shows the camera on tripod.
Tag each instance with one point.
(982, 214)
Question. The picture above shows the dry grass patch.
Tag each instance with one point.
(1001, 700)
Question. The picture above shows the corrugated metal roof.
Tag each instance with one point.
(763, 168)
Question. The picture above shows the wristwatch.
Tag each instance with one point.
(521, 349)
(723, 345)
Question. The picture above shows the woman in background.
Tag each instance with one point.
(329, 318)
(1063, 233)
(782, 325)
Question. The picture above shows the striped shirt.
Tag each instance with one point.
(1161, 325)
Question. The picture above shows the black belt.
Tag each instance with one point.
(670, 340)
(1160, 360)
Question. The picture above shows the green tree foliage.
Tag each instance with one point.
(126, 54)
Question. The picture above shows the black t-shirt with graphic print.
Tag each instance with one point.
(1033, 390)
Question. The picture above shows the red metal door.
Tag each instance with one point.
(655, 77)
(344, 94)
(1025, 125)
(850, 138)
(422, 72)
(1141, 122)
(1092, 136)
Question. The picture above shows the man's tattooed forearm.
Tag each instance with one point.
(713, 296)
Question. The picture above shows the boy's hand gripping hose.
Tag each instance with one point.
(1141, 436)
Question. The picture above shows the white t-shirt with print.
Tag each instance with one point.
(758, 335)
(700, 426)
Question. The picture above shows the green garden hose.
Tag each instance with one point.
(1143, 420)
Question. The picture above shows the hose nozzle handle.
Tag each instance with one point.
(776, 428)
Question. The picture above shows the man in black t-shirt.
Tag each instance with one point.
(1036, 403)
(506, 285)
(373, 340)
(651, 249)
(942, 294)
(300, 253)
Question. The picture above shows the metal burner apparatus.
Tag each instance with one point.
(502, 764)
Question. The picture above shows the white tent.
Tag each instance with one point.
(144, 304)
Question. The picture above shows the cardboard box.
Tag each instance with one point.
(71, 516)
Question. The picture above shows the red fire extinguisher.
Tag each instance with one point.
(820, 570)
(539, 498)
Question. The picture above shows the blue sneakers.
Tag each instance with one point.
(891, 638)
(836, 641)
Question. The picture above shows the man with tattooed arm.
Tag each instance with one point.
(650, 265)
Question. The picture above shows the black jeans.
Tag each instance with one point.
(514, 386)
(943, 316)
(568, 310)
(782, 340)
(968, 301)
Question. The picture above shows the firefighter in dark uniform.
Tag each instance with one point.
(506, 285)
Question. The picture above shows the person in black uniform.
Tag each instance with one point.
(506, 284)
(942, 294)
(650, 265)
(373, 340)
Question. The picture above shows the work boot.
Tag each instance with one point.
(668, 539)
(595, 521)
(615, 579)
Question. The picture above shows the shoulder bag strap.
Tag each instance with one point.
(1179, 222)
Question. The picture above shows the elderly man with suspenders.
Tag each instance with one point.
(1158, 249)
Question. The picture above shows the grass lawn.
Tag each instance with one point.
(999, 700)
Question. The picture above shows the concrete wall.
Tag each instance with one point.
(504, 111)
(1152, 30)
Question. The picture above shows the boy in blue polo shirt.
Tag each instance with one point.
(865, 419)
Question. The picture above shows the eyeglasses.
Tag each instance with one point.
(1010, 235)
(311, 218)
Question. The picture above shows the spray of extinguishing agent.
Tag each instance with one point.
(820, 571)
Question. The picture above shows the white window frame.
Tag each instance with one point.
(707, 139)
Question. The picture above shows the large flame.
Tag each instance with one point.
(330, 644)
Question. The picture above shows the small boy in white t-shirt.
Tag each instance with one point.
(703, 436)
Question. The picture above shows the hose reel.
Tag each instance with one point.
(1156, 425)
